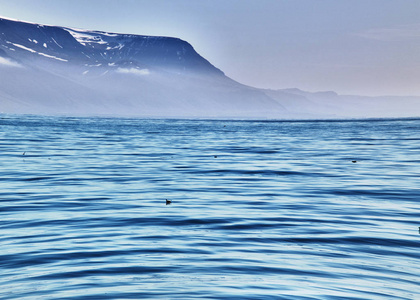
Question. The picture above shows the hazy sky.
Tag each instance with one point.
(369, 47)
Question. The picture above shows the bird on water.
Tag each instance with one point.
(168, 202)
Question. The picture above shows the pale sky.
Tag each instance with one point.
(365, 47)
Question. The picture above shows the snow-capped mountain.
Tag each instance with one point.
(58, 70)
(28, 42)
(51, 69)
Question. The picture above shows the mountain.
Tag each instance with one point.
(28, 42)
(59, 70)
(329, 104)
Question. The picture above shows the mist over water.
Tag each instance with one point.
(260, 210)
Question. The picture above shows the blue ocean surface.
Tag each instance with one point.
(260, 209)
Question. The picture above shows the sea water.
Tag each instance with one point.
(260, 209)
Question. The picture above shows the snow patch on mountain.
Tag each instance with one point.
(119, 47)
(56, 43)
(22, 47)
(85, 37)
(53, 57)
(39, 53)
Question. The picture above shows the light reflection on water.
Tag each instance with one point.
(260, 209)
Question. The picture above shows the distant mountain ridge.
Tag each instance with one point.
(60, 70)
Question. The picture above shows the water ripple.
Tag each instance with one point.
(260, 209)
